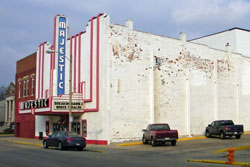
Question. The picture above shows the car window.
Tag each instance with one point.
(72, 134)
(54, 134)
(59, 134)
(226, 123)
(160, 127)
(213, 123)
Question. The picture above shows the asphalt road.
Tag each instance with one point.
(15, 155)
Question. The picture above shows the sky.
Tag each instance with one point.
(24, 24)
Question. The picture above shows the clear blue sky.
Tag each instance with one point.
(24, 24)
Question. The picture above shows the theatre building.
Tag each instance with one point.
(122, 79)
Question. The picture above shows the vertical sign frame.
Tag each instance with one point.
(61, 52)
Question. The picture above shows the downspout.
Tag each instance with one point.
(188, 102)
(108, 68)
(151, 89)
(215, 90)
(238, 92)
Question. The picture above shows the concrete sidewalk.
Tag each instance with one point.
(19, 140)
(36, 142)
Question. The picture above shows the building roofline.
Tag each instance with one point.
(32, 54)
(231, 29)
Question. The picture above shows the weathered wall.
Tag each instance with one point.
(193, 86)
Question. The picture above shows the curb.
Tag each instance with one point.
(26, 143)
(7, 135)
(181, 139)
(130, 144)
(220, 162)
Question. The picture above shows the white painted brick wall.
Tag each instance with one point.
(130, 107)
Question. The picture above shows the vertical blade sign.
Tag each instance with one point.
(61, 54)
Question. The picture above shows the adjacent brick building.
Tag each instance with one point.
(25, 90)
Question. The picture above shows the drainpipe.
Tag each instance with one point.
(188, 102)
(215, 90)
(109, 48)
(238, 92)
(151, 89)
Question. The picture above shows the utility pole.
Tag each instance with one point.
(70, 93)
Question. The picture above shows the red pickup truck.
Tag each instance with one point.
(159, 133)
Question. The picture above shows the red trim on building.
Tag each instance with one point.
(39, 55)
(74, 87)
(79, 62)
(97, 65)
(91, 60)
(51, 73)
(97, 61)
(42, 68)
(99, 142)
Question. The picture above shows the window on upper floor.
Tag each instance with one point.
(27, 87)
(19, 88)
(32, 85)
(24, 87)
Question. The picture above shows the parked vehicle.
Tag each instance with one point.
(224, 128)
(65, 140)
(159, 133)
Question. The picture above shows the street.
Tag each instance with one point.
(124, 156)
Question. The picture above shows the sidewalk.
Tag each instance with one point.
(36, 142)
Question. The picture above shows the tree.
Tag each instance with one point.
(3, 89)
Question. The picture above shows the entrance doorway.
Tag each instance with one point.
(17, 129)
(47, 128)
(84, 128)
(75, 127)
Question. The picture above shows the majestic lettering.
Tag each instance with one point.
(61, 37)
(40, 103)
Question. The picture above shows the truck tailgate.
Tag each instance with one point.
(166, 134)
(235, 128)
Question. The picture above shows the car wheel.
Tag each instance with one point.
(153, 142)
(207, 134)
(80, 148)
(60, 146)
(45, 144)
(237, 136)
(144, 141)
(222, 135)
(173, 143)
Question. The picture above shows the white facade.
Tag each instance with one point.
(123, 89)
(2, 111)
(10, 104)
(9, 109)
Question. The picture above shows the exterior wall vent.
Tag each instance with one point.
(158, 61)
